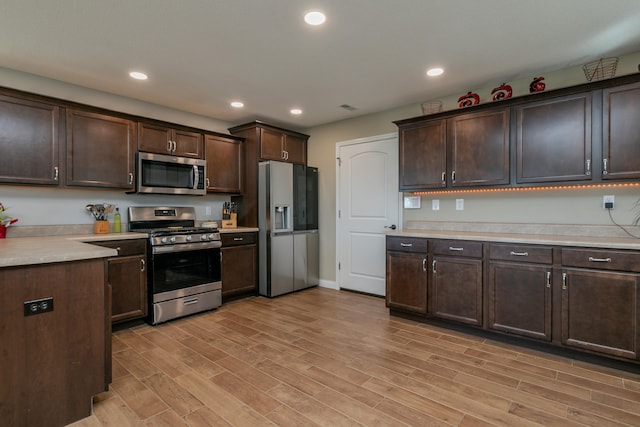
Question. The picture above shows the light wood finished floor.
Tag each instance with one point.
(334, 358)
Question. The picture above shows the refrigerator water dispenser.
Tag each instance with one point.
(282, 218)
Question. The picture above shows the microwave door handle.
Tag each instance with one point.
(196, 177)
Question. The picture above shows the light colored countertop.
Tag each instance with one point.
(48, 249)
(538, 239)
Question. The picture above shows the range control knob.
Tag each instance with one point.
(188, 238)
(172, 240)
(204, 237)
(212, 236)
(164, 240)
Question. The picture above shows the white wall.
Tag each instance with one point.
(546, 207)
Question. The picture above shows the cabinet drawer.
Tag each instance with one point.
(537, 254)
(601, 259)
(125, 247)
(406, 244)
(236, 239)
(461, 248)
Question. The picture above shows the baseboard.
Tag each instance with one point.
(328, 284)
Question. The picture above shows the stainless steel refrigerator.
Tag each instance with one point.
(288, 247)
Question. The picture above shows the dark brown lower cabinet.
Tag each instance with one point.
(239, 264)
(406, 274)
(128, 279)
(53, 362)
(457, 289)
(601, 311)
(520, 299)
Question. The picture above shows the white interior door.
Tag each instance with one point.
(368, 202)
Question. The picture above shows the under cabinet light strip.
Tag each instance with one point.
(538, 188)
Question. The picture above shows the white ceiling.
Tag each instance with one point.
(370, 54)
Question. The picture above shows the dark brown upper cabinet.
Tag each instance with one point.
(554, 139)
(282, 146)
(479, 148)
(100, 150)
(463, 151)
(423, 156)
(224, 164)
(621, 132)
(29, 142)
(155, 138)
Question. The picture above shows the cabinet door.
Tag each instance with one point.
(406, 281)
(224, 159)
(239, 270)
(601, 311)
(28, 142)
(457, 289)
(187, 144)
(154, 138)
(127, 278)
(100, 150)
(295, 149)
(621, 132)
(479, 147)
(271, 145)
(423, 156)
(520, 299)
(554, 140)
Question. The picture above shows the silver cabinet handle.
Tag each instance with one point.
(284, 157)
(433, 265)
(548, 279)
(443, 179)
(56, 173)
(519, 253)
(453, 177)
(406, 245)
(238, 239)
(142, 264)
(424, 264)
(169, 146)
(190, 301)
(604, 167)
(451, 248)
(564, 281)
(208, 182)
(130, 178)
(592, 259)
(589, 167)
(118, 250)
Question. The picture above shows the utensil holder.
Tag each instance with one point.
(231, 222)
(101, 227)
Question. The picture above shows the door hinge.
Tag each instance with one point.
(339, 161)
(339, 213)
(339, 266)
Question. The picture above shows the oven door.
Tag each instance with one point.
(172, 273)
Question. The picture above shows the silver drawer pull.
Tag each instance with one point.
(190, 301)
(406, 245)
(519, 253)
(451, 248)
(592, 259)
(238, 239)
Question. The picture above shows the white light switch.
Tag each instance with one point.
(207, 210)
(435, 205)
(459, 204)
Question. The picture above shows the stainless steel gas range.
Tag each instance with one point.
(184, 262)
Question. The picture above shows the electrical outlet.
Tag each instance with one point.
(608, 202)
(38, 306)
(459, 204)
(435, 205)
(207, 210)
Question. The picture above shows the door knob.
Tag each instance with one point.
(392, 226)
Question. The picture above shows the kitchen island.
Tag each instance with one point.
(55, 328)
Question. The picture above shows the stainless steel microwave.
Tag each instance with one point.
(162, 174)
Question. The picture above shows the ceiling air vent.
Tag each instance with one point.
(348, 107)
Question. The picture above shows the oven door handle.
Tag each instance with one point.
(186, 247)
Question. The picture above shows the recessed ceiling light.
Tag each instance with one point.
(138, 75)
(237, 104)
(296, 111)
(315, 18)
(434, 72)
